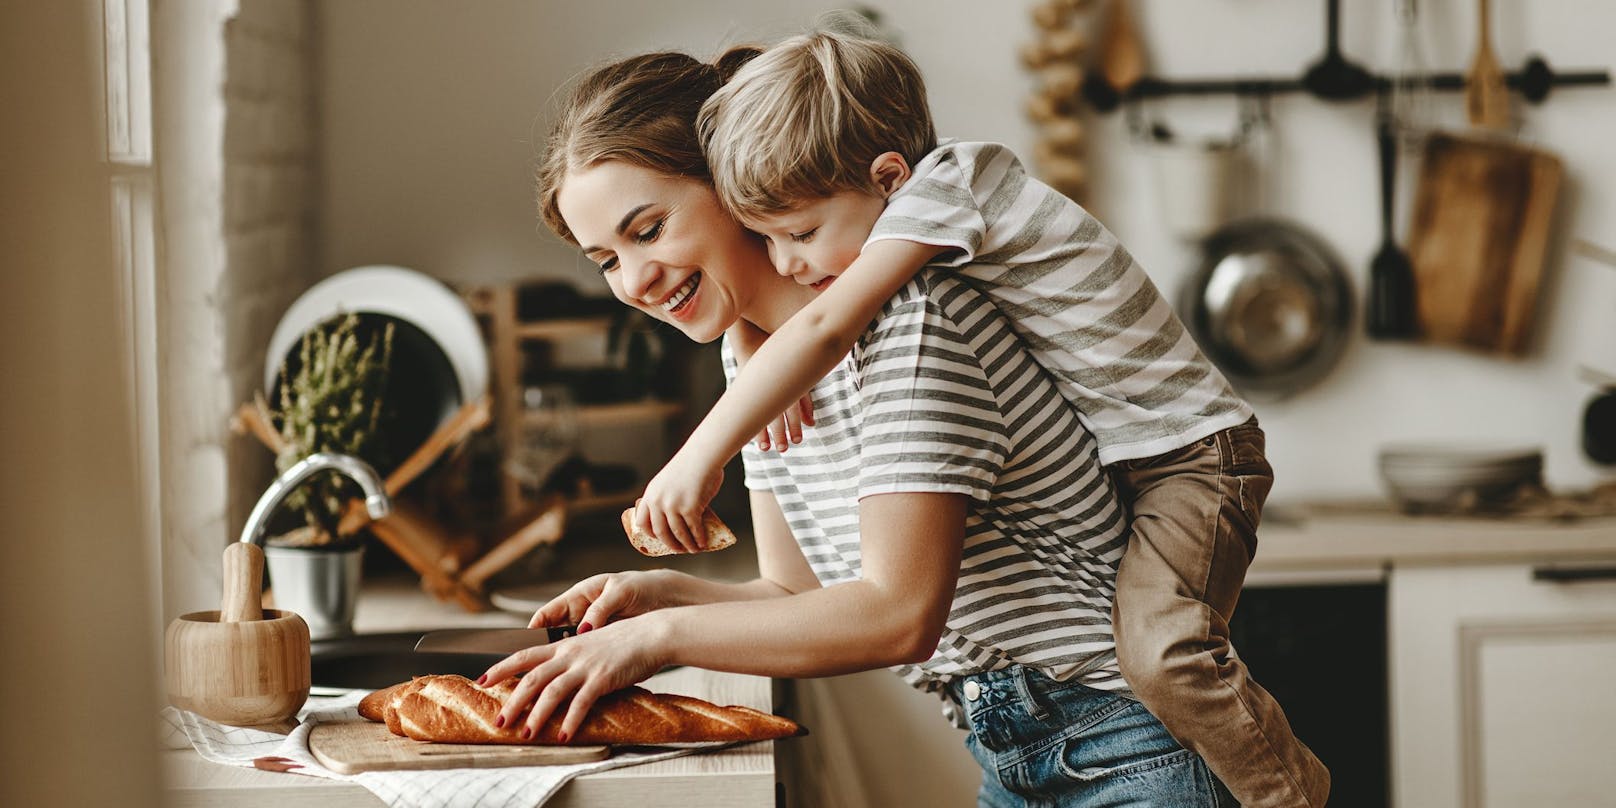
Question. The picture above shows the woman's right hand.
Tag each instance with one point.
(594, 601)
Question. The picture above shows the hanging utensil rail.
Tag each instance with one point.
(1533, 81)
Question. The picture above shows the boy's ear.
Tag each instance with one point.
(889, 172)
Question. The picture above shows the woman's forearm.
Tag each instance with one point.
(682, 589)
(823, 632)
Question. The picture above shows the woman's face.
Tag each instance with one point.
(664, 245)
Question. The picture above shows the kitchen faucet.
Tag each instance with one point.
(376, 500)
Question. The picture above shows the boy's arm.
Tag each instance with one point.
(783, 370)
(744, 340)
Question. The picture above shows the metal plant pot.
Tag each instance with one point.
(320, 584)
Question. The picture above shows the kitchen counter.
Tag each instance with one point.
(1336, 538)
(737, 777)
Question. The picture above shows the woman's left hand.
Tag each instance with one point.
(581, 668)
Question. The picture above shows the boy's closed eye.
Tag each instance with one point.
(805, 236)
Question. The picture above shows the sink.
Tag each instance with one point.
(372, 661)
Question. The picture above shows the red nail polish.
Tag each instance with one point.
(482, 680)
(562, 737)
(527, 733)
(499, 721)
(583, 627)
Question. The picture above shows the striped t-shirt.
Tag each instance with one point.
(1087, 310)
(941, 396)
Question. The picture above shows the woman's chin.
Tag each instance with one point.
(700, 333)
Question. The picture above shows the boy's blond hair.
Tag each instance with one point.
(807, 118)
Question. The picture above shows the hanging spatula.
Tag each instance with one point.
(1391, 311)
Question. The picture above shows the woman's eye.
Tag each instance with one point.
(608, 265)
(804, 236)
(651, 233)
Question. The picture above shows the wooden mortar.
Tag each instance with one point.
(243, 665)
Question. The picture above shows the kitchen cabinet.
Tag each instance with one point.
(1501, 689)
(1497, 675)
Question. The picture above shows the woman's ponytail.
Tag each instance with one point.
(734, 59)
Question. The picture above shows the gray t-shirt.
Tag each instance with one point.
(1085, 308)
(940, 395)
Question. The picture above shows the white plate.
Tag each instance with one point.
(416, 298)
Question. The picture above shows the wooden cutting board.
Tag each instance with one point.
(1482, 212)
(350, 747)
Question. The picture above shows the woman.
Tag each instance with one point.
(946, 516)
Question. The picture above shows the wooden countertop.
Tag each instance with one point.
(737, 777)
(1326, 538)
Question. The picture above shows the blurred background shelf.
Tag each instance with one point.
(575, 403)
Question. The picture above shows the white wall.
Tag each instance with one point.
(432, 119)
(235, 165)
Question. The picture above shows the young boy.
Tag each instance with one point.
(824, 146)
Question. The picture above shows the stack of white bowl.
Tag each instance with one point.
(1430, 477)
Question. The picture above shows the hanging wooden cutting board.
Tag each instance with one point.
(1482, 212)
(350, 747)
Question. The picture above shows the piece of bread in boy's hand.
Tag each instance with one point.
(719, 536)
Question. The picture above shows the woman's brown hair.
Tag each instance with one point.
(641, 110)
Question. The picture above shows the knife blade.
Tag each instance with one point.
(488, 640)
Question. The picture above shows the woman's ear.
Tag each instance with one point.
(889, 172)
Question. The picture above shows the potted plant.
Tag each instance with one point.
(332, 397)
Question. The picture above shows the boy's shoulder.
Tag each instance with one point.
(964, 152)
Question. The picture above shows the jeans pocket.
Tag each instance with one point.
(1176, 779)
(1094, 774)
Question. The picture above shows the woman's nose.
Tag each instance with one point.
(639, 276)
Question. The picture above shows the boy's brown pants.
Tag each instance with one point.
(1195, 512)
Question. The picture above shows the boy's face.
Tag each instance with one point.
(815, 241)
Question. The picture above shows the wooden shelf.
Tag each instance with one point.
(594, 415)
(572, 328)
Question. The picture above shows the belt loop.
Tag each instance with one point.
(1024, 688)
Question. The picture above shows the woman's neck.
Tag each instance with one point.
(775, 300)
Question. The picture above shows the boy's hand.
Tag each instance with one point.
(674, 502)
(787, 429)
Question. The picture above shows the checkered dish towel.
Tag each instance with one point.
(511, 787)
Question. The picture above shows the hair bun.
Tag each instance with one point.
(733, 59)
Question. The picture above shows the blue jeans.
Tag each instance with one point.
(1048, 743)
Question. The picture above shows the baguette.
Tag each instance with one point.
(454, 709)
(719, 536)
(374, 706)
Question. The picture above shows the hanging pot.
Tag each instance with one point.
(1270, 304)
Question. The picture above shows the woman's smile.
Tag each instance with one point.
(679, 305)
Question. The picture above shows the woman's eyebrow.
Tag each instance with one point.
(628, 219)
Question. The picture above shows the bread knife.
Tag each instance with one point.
(488, 640)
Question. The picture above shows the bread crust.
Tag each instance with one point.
(373, 707)
(454, 709)
(719, 536)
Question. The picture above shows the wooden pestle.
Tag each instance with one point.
(243, 572)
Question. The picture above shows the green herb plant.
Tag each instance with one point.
(333, 401)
